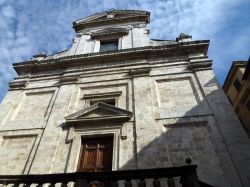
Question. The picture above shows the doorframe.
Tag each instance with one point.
(75, 148)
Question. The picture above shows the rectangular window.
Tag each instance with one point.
(107, 101)
(109, 45)
(237, 84)
(248, 105)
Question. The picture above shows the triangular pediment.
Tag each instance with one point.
(99, 111)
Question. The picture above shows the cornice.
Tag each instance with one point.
(68, 79)
(112, 17)
(140, 72)
(137, 18)
(149, 52)
(197, 63)
(109, 32)
(15, 85)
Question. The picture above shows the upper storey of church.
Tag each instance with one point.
(110, 31)
(112, 36)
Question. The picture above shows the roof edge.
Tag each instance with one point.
(231, 70)
(94, 20)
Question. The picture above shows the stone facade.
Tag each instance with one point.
(168, 105)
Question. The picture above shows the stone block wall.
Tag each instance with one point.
(177, 113)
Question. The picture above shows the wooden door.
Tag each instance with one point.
(96, 154)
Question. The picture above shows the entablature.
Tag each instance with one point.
(141, 53)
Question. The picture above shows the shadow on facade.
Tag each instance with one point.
(197, 135)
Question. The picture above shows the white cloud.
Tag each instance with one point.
(8, 12)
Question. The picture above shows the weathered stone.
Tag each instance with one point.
(178, 112)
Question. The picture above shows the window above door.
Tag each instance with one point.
(111, 101)
(110, 98)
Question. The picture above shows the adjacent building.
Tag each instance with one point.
(237, 89)
(118, 100)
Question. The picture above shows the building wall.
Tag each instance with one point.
(232, 91)
(164, 131)
(243, 110)
(177, 113)
(240, 98)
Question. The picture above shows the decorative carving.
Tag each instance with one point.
(184, 38)
(110, 15)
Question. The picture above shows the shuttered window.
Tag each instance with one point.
(96, 154)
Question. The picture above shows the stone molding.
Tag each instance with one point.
(101, 95)
(199, 62)
(18, 84)
(184, 121)
(110, 33)
(81, 120)
(64, 80)
(113, 56)
(74, 152)
(109, 114)
(112, 17)
(140, 72)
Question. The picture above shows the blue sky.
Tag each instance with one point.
(28, 27)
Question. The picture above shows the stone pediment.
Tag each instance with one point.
(114, 16)
(99, 112)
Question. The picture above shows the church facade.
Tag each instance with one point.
(117, 100)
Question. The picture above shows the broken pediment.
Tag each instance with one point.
(111, 16)
(110, 32)
(99, 112)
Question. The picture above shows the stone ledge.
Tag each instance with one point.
(68, 79)
(113, 56)
(18, 84)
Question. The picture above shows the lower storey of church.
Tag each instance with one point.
(111, 154)
(145, 130)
